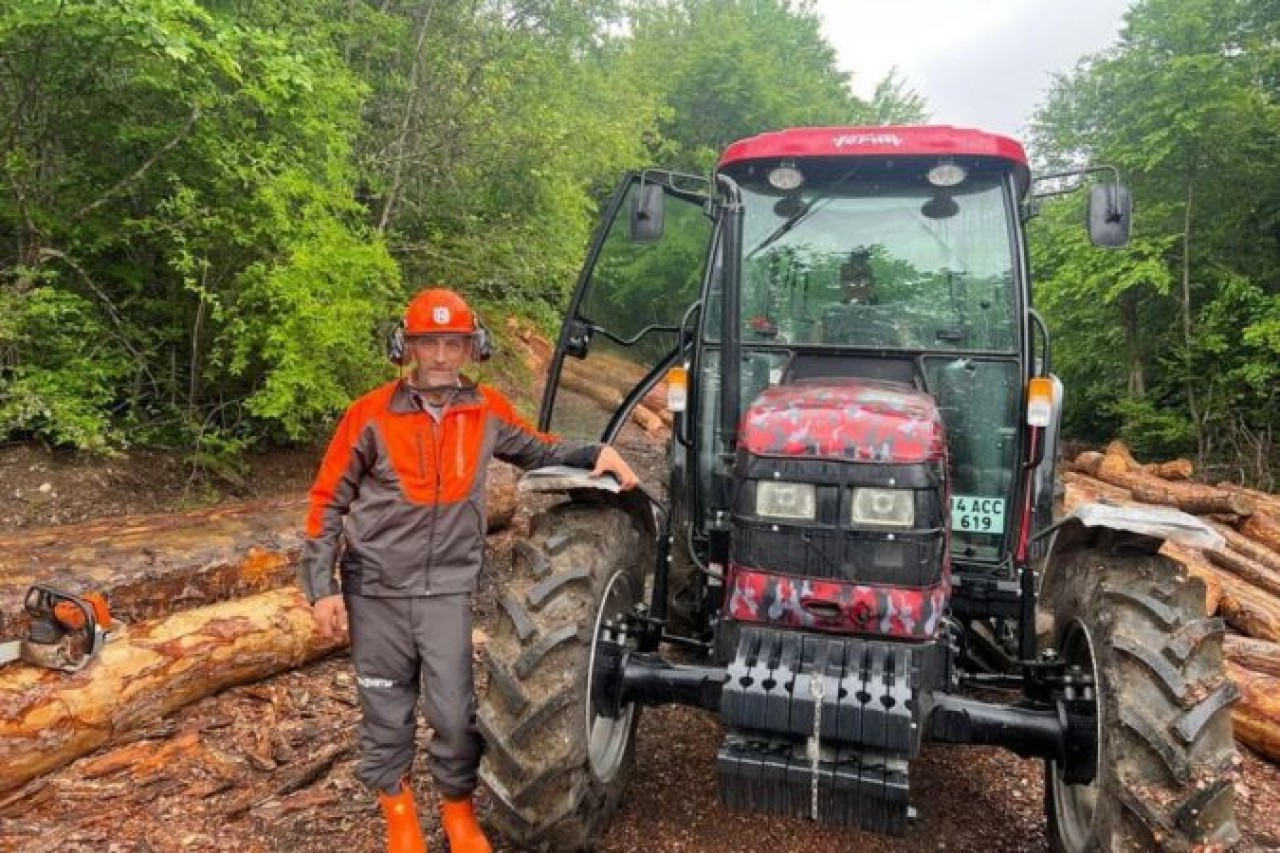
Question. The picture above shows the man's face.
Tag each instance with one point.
(438, 358)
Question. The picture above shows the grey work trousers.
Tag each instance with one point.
(400, 647)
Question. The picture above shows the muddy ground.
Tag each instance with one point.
(270, 766)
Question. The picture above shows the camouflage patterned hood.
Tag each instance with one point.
(859, 420)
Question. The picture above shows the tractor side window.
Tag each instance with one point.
(632, 302)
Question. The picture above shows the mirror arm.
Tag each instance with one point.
(1079, 172)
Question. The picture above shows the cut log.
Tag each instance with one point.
(1248, 609)
(1257, 655)
(48, 719)
(608, 395)
(1256, 717)
(1188, 497)
(1247, 570)
(1267, 502)
(1175, 469)
(1083, 489)
(1264, 529)
(1197, 566)
(153, 565)
(1118, 457)
(1254, 551)
(1088, 462)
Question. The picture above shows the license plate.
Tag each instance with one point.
(974, 514)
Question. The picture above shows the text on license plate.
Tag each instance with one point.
(973, 514)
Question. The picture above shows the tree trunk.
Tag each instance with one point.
(1263, 501)
(1263, 529)
(1249, 610)
(1247, 570)
(48, 719)
(1256, 716)
(1188, 497)
(1243, 544)
(1257, 655)
(1176, 469)
(154, 565)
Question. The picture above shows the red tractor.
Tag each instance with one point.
(860, 530)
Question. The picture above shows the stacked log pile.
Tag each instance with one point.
(1242, 578)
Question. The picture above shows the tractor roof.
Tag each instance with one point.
(911, 141)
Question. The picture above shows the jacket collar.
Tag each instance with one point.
(403, 403)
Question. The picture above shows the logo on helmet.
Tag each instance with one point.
(440, 315)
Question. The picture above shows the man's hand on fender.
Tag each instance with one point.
(611, 462)
(331, 615)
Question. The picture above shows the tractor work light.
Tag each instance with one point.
(947, 175)
(786, 177)
(883, 508)
(777, 499)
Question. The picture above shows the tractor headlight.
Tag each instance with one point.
(786, 500)
(884, 507)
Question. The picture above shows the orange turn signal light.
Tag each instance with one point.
(678, 388)
(1039, 401)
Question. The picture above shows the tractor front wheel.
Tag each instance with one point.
(555, 768)
(1166, 760)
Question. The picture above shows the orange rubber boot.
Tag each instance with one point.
(460, 825)
(404, 833)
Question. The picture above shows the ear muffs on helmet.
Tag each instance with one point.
(397, 343)
(482, 343)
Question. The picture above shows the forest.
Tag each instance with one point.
(211, 211)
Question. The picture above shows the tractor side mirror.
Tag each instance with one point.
(648, 208)
(1110, 215)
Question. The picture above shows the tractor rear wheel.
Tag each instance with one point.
(1166, 760)
(556, 770)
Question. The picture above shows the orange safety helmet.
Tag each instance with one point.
(439, 311)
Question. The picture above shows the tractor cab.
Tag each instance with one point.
(830, 264)
(859, 530)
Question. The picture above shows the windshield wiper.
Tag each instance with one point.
(778, 233)
(799, 216)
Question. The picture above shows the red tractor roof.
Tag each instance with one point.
(911, 141)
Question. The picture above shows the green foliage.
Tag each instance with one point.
(63, 367)
(1186, 106)
(210, 209)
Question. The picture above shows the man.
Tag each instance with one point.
(403, 484)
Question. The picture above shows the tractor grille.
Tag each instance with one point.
(907, 559)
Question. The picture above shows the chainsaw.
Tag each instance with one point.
(65, 631)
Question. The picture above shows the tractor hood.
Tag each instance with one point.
(858, 420)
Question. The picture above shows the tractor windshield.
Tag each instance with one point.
(884, 261)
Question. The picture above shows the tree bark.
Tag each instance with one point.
(48, 719)
(1243, 544)
(1188, 497)
(1257, 655)
(1256, 717)
(1264, 529)
(1247, 570)
(1263, 501)
(1082, 489)
(1249, 610)
(1176, 469)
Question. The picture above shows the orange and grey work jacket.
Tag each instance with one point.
(411, 491)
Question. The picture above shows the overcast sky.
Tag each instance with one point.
(979, 63)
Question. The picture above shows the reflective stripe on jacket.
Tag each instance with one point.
(412, 491)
